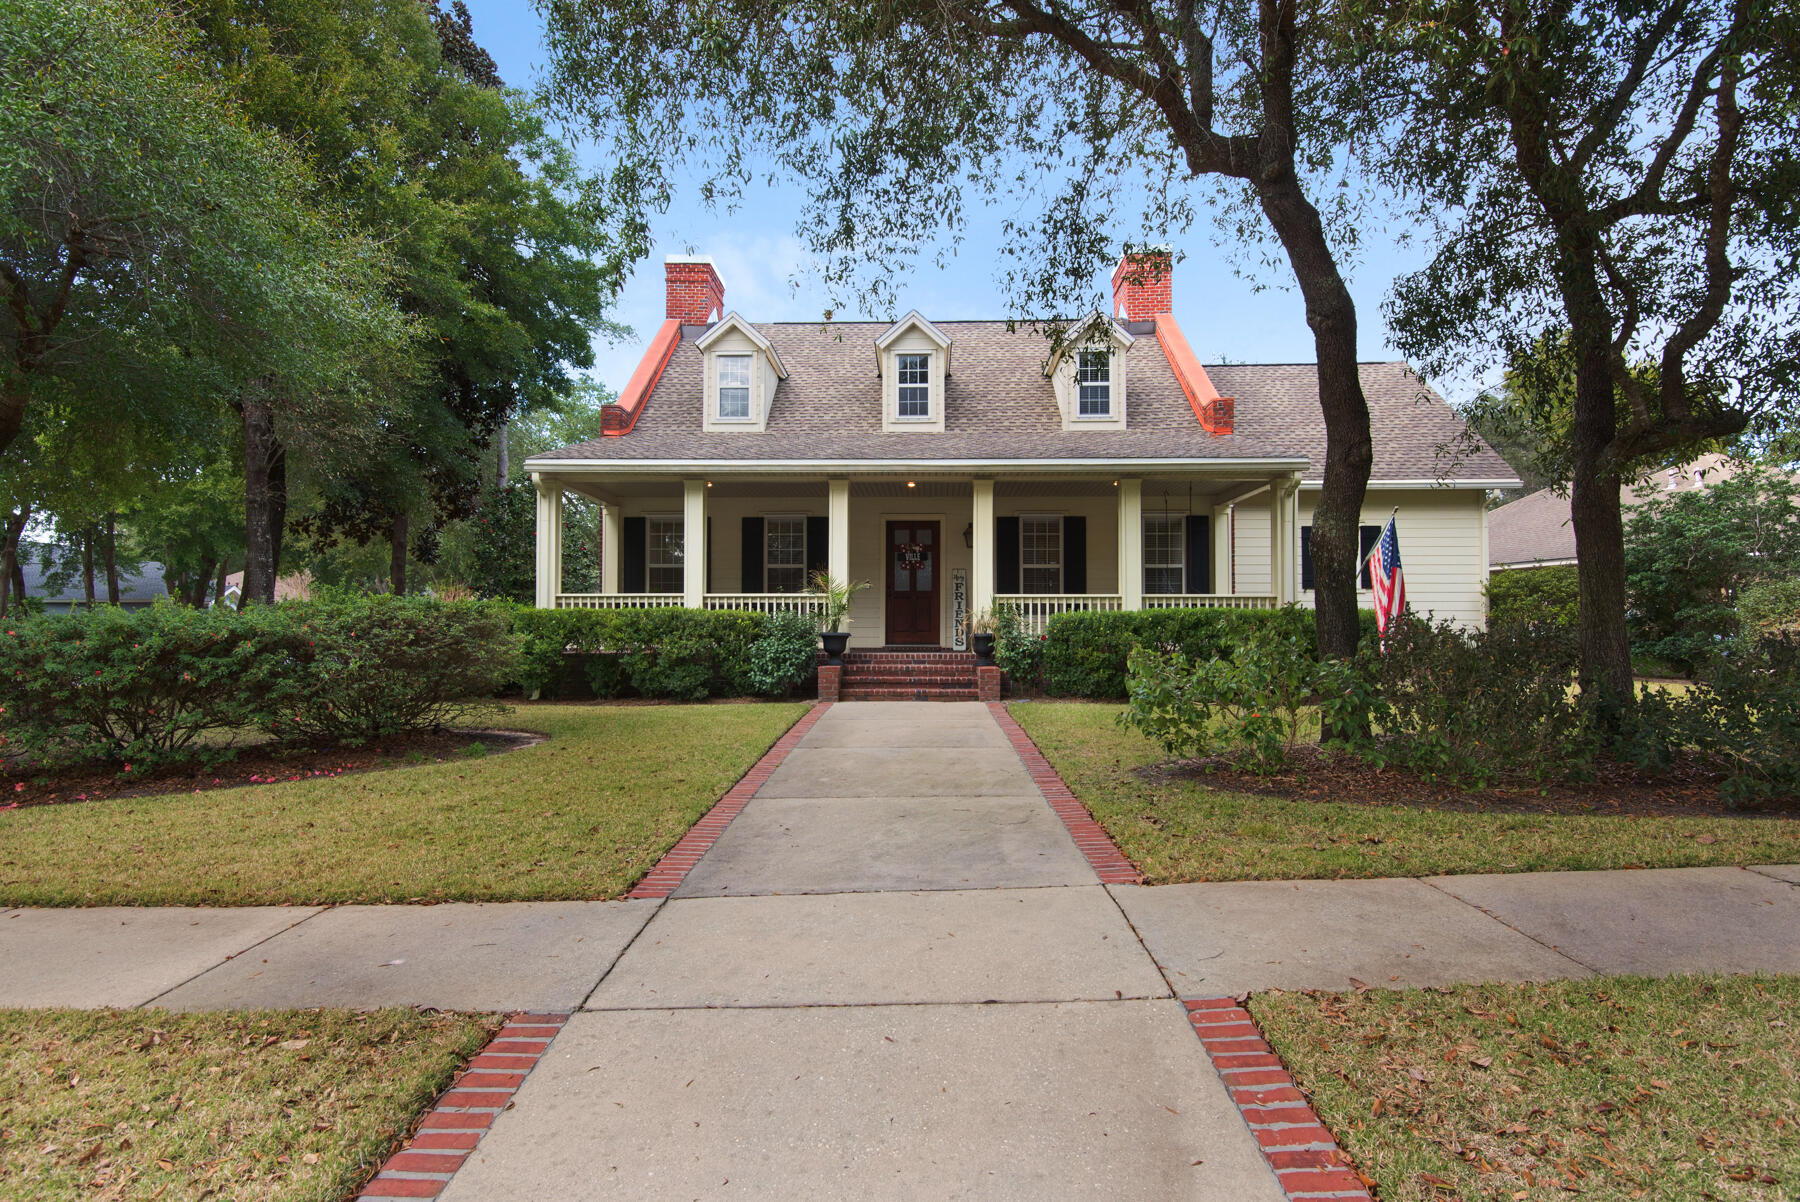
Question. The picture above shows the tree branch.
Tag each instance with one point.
(1607, 118)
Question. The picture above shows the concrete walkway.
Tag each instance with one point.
(895, 975)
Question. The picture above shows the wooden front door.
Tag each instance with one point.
(912, 582)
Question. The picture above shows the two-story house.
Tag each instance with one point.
(960, 464)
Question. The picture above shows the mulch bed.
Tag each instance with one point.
(1686, 790)
(254, 764)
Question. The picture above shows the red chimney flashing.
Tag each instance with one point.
(1217, 414)
(1143, 285)
(696, 295)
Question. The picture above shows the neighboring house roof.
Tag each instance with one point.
(135, 588)
(295, 586)
(1537, 528)
(999, 405)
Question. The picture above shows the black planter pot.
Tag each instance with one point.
(984, 647)
(835, 641)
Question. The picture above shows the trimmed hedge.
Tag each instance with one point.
(1086, 654)
(142, 687)
(681, 654)
(1551, 594)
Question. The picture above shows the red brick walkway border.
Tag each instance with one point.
(465, 1111)
(1305, 1156)
(679, 860)
(1103, 855)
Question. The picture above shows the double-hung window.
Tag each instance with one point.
(1093, 381)
(734, 387)
(662, 555)
(1165, 553)
(915, 385)
(1040, 553)
(784, 554)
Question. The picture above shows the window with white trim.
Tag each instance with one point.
(784, 554)
(1040, 553)
(734, 387)
(914, 381)
(662, 554)
(1165, 552)
(1093, 381)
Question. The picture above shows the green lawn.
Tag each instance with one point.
(300, 1106)
(582, 815)
(1180, 830)
(1679, 1088)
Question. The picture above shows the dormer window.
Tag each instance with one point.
(915, 386)
(1093, 376)
(734, 387)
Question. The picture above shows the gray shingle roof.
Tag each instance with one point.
(999, 406)
(1533, 529)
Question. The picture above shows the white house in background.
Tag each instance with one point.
(960, 464)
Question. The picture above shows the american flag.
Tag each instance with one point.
(1388, 581)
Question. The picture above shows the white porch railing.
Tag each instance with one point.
(1036, 609)
(807, 605)
(618, 600)
(1208, 601)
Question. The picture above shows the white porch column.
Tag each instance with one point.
(837, 521)
(1221, 548)
(1131, 544)
(693, 544)
(612, 537)
(981, 567)
(1284, 539)
(549, 541)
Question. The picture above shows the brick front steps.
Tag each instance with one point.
(1103, 855)
(1305, 1156)
(903, 674)
(466, 1110)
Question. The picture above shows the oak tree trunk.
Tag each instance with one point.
(1330, 311)
(196, 594)
(502, 464)
(220, 584)
(12, 572)
(397, 556)
(87, 564)
(265, 500)
(109, 551)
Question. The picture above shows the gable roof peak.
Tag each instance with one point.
(914, 320)
(732, 322)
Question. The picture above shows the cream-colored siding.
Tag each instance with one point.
(1441, 534)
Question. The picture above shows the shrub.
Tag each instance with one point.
(1771, 607)
(136, 688)
(1741, 718)
(1017, 651)
(1085, 654)
(1550, 594)
(785, 654)
(1477, 705)
(1248, 704)
(379, 665)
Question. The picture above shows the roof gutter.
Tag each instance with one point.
(1484, 484)
(887, 467)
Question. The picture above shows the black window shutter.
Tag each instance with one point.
(1074, 554)
(818, 546)
(1006, 555)
(1199, 553)
(632, 551)
(1306, 572)
(1370, 536)
(752, 544)
(709, 556)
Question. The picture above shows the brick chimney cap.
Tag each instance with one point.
(707, 259)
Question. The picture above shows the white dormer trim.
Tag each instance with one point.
(732, 335)
(912, 335)
(1095, 332)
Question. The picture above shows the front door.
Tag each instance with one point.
(912, 582)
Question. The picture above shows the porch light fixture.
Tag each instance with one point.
(969, 536)
(911, 484)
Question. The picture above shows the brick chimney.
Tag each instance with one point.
(696, 295)
(1143, 284)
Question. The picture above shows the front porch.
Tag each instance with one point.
(935, 548)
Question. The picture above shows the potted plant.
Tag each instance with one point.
(838, 595)
(980, 628)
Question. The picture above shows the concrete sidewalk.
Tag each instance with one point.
(895, 975)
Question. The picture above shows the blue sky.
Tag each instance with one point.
(759, 259)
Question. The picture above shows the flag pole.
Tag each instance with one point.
(1364, 562)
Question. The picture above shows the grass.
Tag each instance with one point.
(289, 1105)
(582, 815)
(1678, 1088)
(1181, 830)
